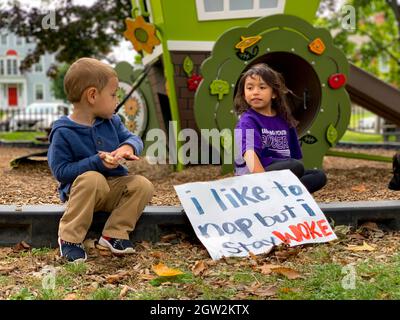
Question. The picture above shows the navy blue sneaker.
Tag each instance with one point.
(117, 245)
(73, 252)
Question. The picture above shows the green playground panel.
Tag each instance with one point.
(326, 118)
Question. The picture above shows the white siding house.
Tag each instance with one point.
(19, 90)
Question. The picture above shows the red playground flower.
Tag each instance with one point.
(194, 81)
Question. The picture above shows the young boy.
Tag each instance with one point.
(84, 153)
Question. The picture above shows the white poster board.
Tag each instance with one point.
(252, 213)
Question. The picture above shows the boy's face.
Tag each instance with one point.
(107, 100)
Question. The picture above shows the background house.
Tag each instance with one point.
(19, 90)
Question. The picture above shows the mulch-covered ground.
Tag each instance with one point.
(361, 264)
(348, 179)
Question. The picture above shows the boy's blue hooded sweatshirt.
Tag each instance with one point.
(74, 149)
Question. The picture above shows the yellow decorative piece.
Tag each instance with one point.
(317, 46)
(247, 42)
(141, 34)
(131, 107)
(131, 125)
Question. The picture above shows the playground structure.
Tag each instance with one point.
(196, 59)
(196, 68)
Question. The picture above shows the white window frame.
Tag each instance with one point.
(34, 91)
(41, 63)
(226, 14)
(12, 61)
(21, 41)
(1, 39)
(2, 66)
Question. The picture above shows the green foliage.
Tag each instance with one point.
(57, 84)
(374, 44)
(79, 31)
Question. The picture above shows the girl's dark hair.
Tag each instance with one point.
(276, 81)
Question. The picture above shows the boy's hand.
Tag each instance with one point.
(124, 152)
(109, 161)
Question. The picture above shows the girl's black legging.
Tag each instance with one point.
(313, 180)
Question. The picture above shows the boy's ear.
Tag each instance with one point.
(91, 94)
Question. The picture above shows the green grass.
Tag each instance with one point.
(352, 136)
(21, 135)
(23, 294)
(105, 294)
(76, 268)
(356, 117)
(324, 281)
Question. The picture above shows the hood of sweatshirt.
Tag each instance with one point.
(65, 122)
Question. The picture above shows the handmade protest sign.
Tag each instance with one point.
(253, 213)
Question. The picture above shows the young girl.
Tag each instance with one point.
(267, 130)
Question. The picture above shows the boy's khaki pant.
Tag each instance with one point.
(124, 197)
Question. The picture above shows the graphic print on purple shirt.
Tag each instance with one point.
(270, 137)
(275, 143)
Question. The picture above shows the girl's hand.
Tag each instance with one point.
(124, 152)
(109, 161)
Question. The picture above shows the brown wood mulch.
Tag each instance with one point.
(348, 179)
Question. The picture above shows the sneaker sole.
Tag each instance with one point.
(75, 261)
(107, 245)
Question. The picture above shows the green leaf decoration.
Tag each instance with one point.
(309, 139)
(121, 94)
(219, 87)
(331, 135)
(188, 66)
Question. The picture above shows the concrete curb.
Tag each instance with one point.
(38, 225)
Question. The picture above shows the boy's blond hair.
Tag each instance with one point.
(85, 73)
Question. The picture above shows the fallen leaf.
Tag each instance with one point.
(115, 278)
(168, 237)
(71, 296)
(263, 292)
(364, 247)
(357, 236)
(124, 291)
(199, 267)
(145, 245)
(21, 246)
(342, 231)
(157, 254)
(146, 276)
(105, 253)
(253, 256)
(283, 255)
(370, 226)
(267, 268)
(89, 244)
(287, 290)
(163, 271)
(6, 270)
(359, 188)
(287, 272)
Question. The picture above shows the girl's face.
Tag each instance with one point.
(258, 94)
